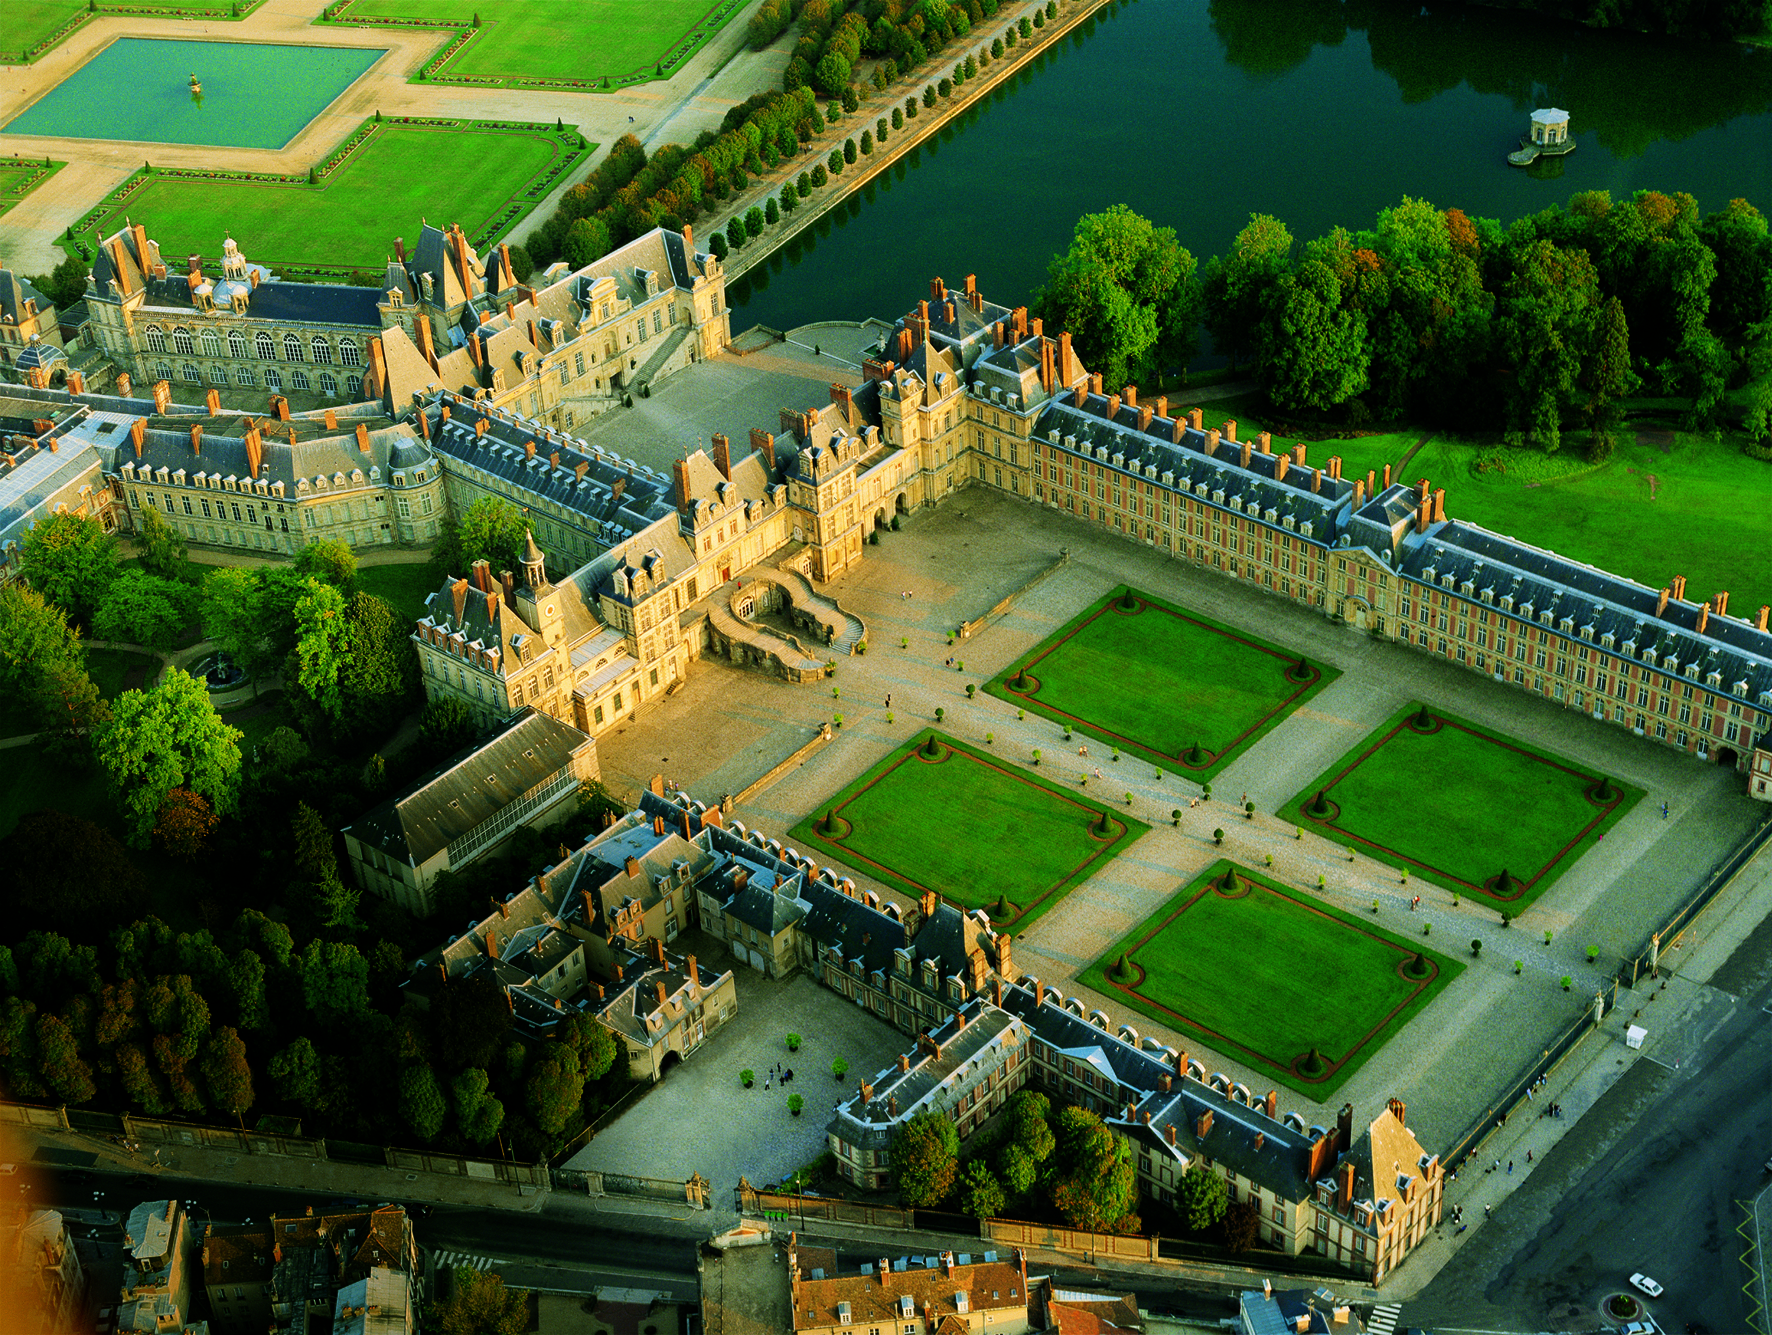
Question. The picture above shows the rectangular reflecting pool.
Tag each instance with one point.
(254, 95)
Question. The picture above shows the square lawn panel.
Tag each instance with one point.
(1160, 681)
(975, 829)
(1461, 805)
(1266, 975)
(255, 94)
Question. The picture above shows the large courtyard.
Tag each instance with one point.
(1161, 682)
(1469, 809)
(979, 831)
(1301, 991)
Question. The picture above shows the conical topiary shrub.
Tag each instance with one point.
(1195, 755)
(1020, 681)
(829, 824)
(1299, 671)
(1313, 1064)
(1101, 826)
(1003, 909)
(1505, 884)
(1123, 972)
(1228, 882)
(1422, 718)
(1319, 806)
(930, 748)
(1127, 602)
(1603, 791)
(1417, 967)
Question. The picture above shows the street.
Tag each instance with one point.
(1649, 1180)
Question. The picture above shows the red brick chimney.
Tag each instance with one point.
(1678, 585)
(1203, 1124)
(1273, 1104)
(1703, 617)
(197, 439)
(680, 488)
(664, 997)
(1344, 1198)
(162, 396)
(481, 573)
(1720, 601)
(1397, 1109)
(723, 455)
(1760, 621)
(212, 401)
(362, 433)
(1229, 429)
(1439, 505)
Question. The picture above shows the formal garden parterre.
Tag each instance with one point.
(334, 222)
(1168, 685)
(977, 829)
(1471, 810)
(591, 45)
(19, 176)
(34, 27)
(1301, 992)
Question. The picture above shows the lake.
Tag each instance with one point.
(1198, 114)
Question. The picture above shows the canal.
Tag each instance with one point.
(1197, 113)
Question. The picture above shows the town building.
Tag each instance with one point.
(1271, 1311)
(293, 1271)
(159, 1257)
(1071, 1312)
(30, 334)
(987, 1297)
(528, 774)
(46, 468)
(40, 1271)
(964, 1069)
(572, 345)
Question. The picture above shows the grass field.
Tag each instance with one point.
(1705, 506)
(406, 586)
(31, 21)
(20, 176)
(1266, 975)
(1460, 805)
(549, 39)
(399, 175)
(970, 826)
(1159, 681)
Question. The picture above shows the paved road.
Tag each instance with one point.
(1649, 1180)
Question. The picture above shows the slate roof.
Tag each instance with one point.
(470, 790)
(14, 290)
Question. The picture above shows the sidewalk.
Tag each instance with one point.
(284, 1172)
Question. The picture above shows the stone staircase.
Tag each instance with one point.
(844, 629)
(641, 381)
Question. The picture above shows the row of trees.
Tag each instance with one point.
(1434, 316)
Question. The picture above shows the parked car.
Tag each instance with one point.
(1639, 1328)
(1646, 1285)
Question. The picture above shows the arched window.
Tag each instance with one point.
(272, 379)
(211, 343)
(299, 380)
(236, 343)
(219, 374)
(162, 371)
(181, 341)
(328, 385)
(191, 373)
(243, 376)
(322, 351)
(348, 354)
(156, 338)
(267, 350)
(291, 348)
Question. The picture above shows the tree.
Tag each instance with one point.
(166, 737)
(831, 74)
(184, 824)
(60, 1065)
(1029, 1128)
(555, 1088)
(753, 221)
(139, 608)
(283, 750)
(1016, 1169)
(1093, 1183)
(1126, 292)
(981, 1195)
(322, 645)
(380, 670)
(1546, 326)
(490, 529)
(160, 546)
(226, 1072)
(477, 1112)
(1312, 348)
(470, 1020)
(297, 1073)
(421, 1101)
(772, 210)
(735, 234)
(1202, 1197)
(68, 707)
(70, 559)
(331, 562)
(595, 1045)
(479, 1304)
(924, 1159)
(65, 285)
(1236, 287)
(33, 635)
(334, 981)
(1242, 1226)
(446, 725)
(1610, 377)
(587, 240)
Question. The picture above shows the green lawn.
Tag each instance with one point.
(1267, 975)
(20, 176)
(406, 586)
(28, 22)
(1158, 681)
(257, 720)
(1709, 505)
(110, 670)
(401, 173)
(1460, 805)
(624, 40)
(971, 826)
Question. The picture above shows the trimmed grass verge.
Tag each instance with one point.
(405, 585)
(590, 44)
(979, 831)
(36, 26)
(398, 169)
(1461, 806)
(20, 176)
(1159, 682)
(1269, 976)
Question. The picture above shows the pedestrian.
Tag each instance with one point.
(1529, 1089)
(1664, 810)
(889, 700)
(1488, 1210)
(1528, 1156)
(1495, 1165)
(1510, 1165)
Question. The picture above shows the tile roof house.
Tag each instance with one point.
(529, 771)
(292, 1271)
(159, 1256)
(947, 1298)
